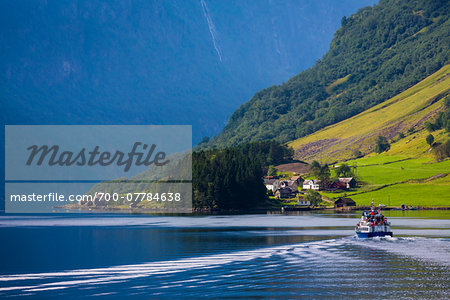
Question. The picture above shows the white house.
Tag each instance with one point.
(303, 202)
(311, 185)
(271, 184)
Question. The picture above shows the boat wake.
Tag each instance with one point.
(320, 261)
(429, 249)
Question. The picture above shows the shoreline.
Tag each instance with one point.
(259, 210)
(367, 207)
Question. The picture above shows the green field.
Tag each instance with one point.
(401, 171)
(395, 180)
(411, 194)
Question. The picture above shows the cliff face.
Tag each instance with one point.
(154, 62)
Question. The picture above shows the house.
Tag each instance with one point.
(297, 179)
(311, 185)
(338, 185)
(344, 202)
(293, 185)
(270, 184)
(302, 202)
(283, 184)
(280, 184)
(348, 182)
(283, 193)
(343, 184)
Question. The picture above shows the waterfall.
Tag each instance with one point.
(212, 29)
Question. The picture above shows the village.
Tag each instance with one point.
(301, 192)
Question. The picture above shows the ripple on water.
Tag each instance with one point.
(410, 267)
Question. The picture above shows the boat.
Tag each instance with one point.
(373, 224)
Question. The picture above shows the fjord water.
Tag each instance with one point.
(230, 256)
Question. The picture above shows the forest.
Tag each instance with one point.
(232, 178)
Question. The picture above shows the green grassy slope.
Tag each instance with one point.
(410, 109)
(394, 180)
(407, 173)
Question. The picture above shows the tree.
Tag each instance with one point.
(315, 168)
(313, 197)
(382, 144)
(272, 171)
(324, 174)
(275, 153)
(442, 151)
(228, 179)
(344, 171)
(430, 126)
(430, 139)
(320, 172)
(357, 153)
(401, 135)
(205, 140)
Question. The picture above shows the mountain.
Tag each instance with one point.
(153, 62)
(401, 119)
(377, 53)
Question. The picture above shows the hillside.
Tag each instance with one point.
(376, 54)
(406, 174)
(394, 178)
(407, 111)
